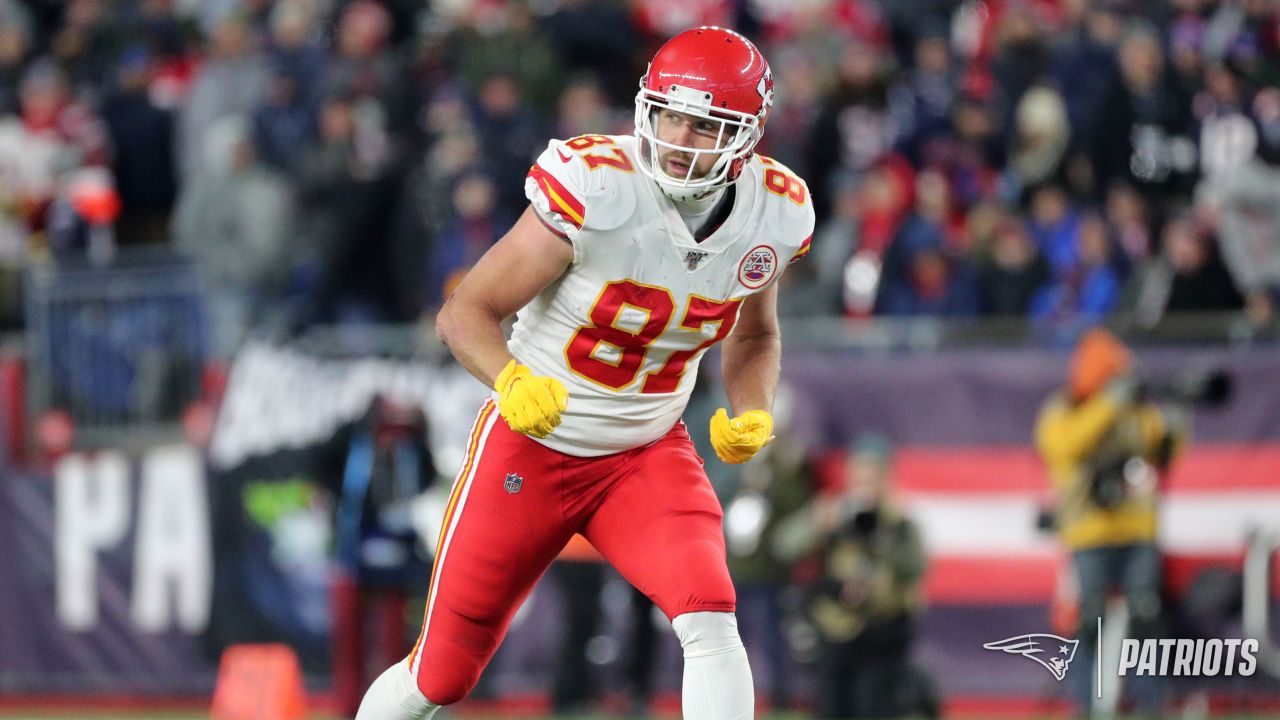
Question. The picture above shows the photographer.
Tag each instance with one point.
(863, 606)
(1106, 443)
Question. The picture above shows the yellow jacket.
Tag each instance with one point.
(1068, 436)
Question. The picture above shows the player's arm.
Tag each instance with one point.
(751, 359)
(514, 271)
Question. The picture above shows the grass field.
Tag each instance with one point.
(67, 715)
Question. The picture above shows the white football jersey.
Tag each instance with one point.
(626, 326)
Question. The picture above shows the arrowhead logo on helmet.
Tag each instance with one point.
(765, 88)
(709, 73)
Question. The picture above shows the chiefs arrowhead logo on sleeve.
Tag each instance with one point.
(758, 266)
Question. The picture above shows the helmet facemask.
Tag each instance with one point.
(736, 139)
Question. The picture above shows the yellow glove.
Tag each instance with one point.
(737, 440)
(531, 404)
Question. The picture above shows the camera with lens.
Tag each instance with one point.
(861, 524)
(1195, 388)
(858, 520)
(1113, 479)
(1118, 474)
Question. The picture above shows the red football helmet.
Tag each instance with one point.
(711, 73)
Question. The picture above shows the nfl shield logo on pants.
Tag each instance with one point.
(513, 483)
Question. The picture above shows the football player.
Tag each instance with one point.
(636, 254)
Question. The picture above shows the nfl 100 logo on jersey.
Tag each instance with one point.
(758, 266)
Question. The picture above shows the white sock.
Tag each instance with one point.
(395, 696)
(717, 677)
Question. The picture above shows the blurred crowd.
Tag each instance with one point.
(344, 161)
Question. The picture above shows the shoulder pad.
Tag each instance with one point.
(584, 183)
(789, 204)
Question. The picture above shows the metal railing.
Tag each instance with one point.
(935, 334)
(120, 348)
(878, 334)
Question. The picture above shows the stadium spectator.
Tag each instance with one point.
(796, 110)
(380, 561)
(284, 122)
(142, 157)
(456, 151)
(16, 43)
(1087, 289)
(1084, 65)
(237, 219)
(1250, 212)
(1011, 270)
(583, 108)
(365, 66)
(1228, 138)
(834, 246)
(1148, 119)
(599, 37)
(924, 274)
(975, 154)
(1187, 276)
(477, 224)
(864, 605)
(348, 184)
(507, 41)
(1041, 138)
(42, 147)
(927, 94)
(933, 284)
(293, 50)
(1054, 222)
(89, 39)
(1105, 446)
(1021, 58)
(513, 133)
(231, 81)
(854, 129)
(1128, 220)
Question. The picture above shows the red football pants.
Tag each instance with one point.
(650, 512)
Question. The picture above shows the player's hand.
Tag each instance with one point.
(531, 404)
(737, 440)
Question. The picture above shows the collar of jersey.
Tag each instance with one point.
(723, 237)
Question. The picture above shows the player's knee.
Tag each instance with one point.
(707, 633)
(444, 690)
(446, 685)
(448, 677)
(700, 581)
